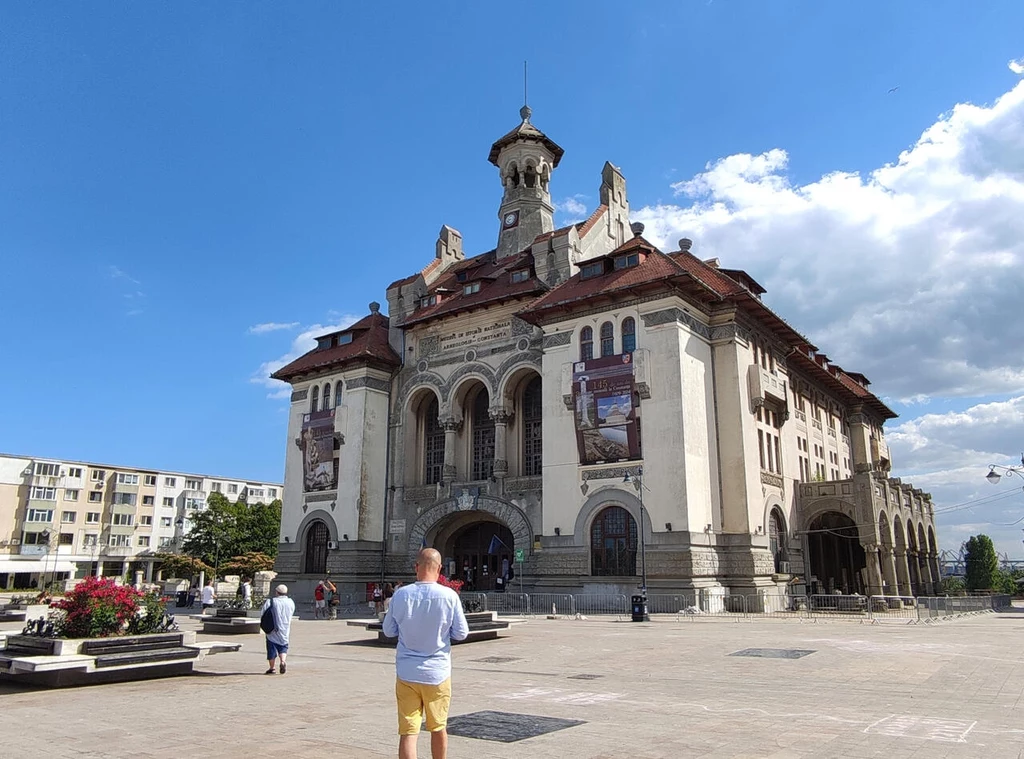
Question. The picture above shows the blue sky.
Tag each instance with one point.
(173, 175)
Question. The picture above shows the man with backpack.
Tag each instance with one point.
(276, 621)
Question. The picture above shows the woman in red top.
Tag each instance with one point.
(320, 607)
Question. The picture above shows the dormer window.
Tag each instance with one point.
(472, 287)
(594, 269)
(428, 300)
(628, 261)
(520, 276)
(323, 343)
(345, 339)
(461, 276)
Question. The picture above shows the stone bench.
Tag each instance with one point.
(231, 622)
(13, 615)
(56, 662)
(483, 625)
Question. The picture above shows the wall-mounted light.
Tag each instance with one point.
(558, 531)
(287, 539)
(344, 536)
(760, 529)
(668, 526)
(707, 528)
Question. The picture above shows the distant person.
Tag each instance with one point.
(209, 596)
(246, 591)
(426, 618)
(389, 593)
(378, 598)
(277, 640)
(319, 601)
(331, 596)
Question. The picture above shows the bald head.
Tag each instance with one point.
(428, 565)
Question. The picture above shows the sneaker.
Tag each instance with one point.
(283, 668)
(269, 671)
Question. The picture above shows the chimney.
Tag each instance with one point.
(685, 243)
(636, 228)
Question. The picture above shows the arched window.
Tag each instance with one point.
(316, 548)
(433, 445)
(314, 399)
(532, 442)
(777, 540)
(327, 396)
(483, 437)
(586, 344)
(628, 335)
(607, 339)
(337, 394)
(613, 541)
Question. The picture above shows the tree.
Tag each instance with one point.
(981, 563)
(177, 565)
(247, 565)
(225, 529)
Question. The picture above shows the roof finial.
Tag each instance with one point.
(525, 112)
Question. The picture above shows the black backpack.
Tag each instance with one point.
(267, 623)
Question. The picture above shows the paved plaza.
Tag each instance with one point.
(668, 688)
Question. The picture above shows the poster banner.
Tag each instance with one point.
(318, 471)
(603, 391)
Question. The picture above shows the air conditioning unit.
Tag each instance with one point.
(16, 541)
(784, 567)
(332, 545)
(98, 486)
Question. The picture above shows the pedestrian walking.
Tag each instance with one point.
(209, 596)
(319, 601)
(425, 617)
(277, 639)
(331, 596)
(245, 591)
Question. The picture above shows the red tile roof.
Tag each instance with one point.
(369, 345)
(412, 277)
(496, 285)
(586, 226)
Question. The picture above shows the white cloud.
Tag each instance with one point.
(909, 273)
(304, 342)
(573, 208)
(116, 272)
(1017, 66)
(265, 327)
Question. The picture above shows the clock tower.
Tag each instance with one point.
(525, 158)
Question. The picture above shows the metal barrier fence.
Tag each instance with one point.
(593, 604)
(559, 604)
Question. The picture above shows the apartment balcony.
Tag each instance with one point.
(24, 550)
(44, 481)
(765, 386)
(117, 551)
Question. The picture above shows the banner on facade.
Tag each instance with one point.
(603, 395)
(318, 472)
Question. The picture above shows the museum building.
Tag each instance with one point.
(548, 408)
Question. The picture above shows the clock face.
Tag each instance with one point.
(511, 219)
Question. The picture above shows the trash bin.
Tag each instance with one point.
(182, 601)
(640, 608)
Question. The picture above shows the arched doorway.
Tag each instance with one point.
(482, 551)
(613, 543)
(837, 559)
(316, 548)
(777, 542)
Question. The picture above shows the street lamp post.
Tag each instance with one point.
(638, 480)
(994, 477)
(45, 535)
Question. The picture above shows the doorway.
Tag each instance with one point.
(482, 552)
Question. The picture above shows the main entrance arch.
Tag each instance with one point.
(837, 558)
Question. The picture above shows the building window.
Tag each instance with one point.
(593, 269)
(760, 446)
(47, 470)
(150, 480)
(124, 499)
(92, 517)
(120, 541)
(127, 479)
(146, 520)
(122, 520)
(75, 471)
(316, 548)
(533, 458)
(95, 496)
(472, 287)
(628, 261)
(232, 489)
(195, 503)
(272, 492)
(433, 445)
(170, 481)
(98, 475)
(168, 501)
(67, 517)
(193, 484)
(255, 492)
(43, 494)
(628, 334)
(143, 541)
(777, 540)
(39, 515)
(337, 394)
(613, 541)
(327, 396)
(586, 344)
(66, 539)
(607, 340)
(165, 521)
(520, 276)
(34, 539)
(314, 399)
(483, 437)
(215, 487)
(70, 495)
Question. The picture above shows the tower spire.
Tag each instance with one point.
(525, 111)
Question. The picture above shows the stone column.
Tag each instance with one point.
(926, 574)
(500, 417)
(936, 573)
(903, 573)
(889, 572)
(914, 573)
(874, 568)
(451, 426)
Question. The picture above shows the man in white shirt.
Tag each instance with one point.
(426, 618)
(277, 640)
(246, 593)
(209, 595)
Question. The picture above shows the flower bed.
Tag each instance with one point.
(98, 608)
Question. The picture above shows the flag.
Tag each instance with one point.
(494, 546)
(423, 543)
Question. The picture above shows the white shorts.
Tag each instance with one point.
(321, 604)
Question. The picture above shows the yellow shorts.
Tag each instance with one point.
(417, 699)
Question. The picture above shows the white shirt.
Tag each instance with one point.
(208, 594)
(284, 608)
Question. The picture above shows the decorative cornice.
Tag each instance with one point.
(520, 327)
(677, 315)
(556, 339)
(373, 383)
(300, 395)
(321, 497)
(611, 473)
(767, 478)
